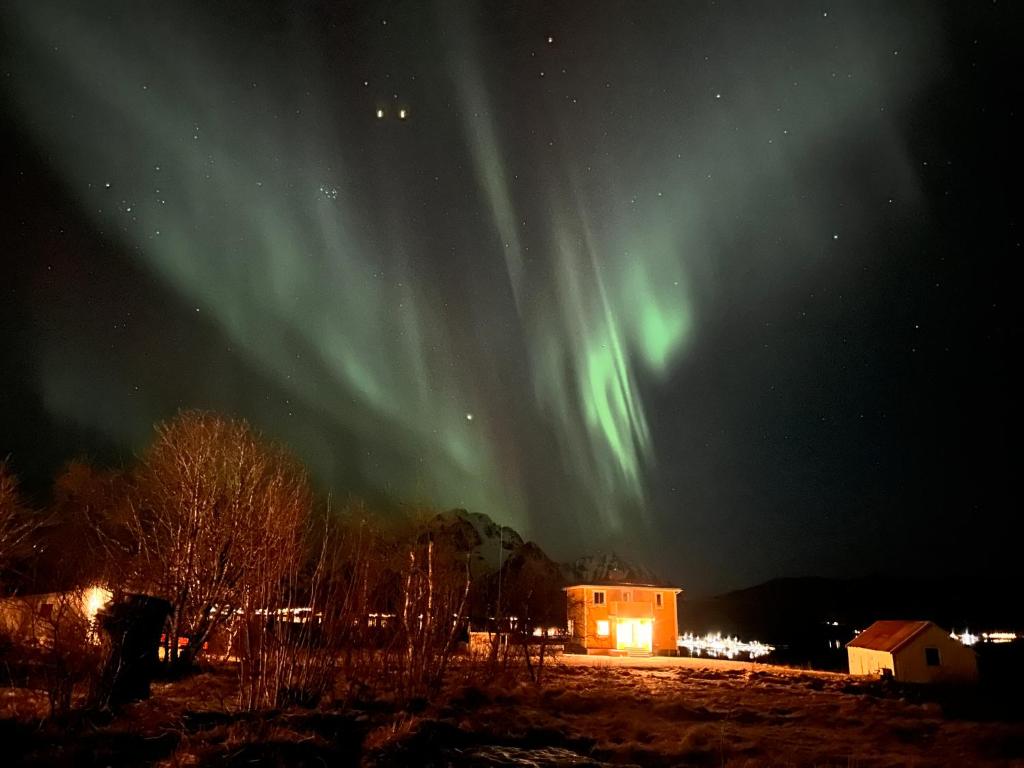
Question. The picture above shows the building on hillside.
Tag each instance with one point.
(620, 618)
(911, 652)
(36, 619)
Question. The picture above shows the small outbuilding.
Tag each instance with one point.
(911, 652)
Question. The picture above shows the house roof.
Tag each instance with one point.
(604, 584)
(888, 636)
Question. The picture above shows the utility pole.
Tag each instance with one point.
(497, 608)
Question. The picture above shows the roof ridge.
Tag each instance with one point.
(888, 634)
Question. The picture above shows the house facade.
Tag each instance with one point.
(622, 619)
(911, 652)
(35, 618)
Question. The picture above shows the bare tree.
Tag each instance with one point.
(85, 539)
(217, 516)
(436, 585)
(363, 586)
(536, 606)
(71, 653)
(323, 617)
(275, 618)
(16, 521)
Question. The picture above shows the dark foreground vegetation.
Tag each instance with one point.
(203, 607)
(677, 712)
(213, 545)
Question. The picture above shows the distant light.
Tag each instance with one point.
(401, 114)
(469, 417)
(380, 114)
(999, 637)
(550, 39)
(716, 646)
(966, 638)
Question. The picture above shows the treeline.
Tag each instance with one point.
(218, 530)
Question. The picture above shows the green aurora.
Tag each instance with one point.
(487, 297)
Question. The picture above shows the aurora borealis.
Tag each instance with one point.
(696, 282)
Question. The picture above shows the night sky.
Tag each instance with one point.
(730, 288)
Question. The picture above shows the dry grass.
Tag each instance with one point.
(698, 713)
(587, 714)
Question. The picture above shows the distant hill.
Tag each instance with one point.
(492, 546)
(783, 609)
(488, 543)
(503, 564)
(596, 569)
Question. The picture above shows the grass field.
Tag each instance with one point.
(589, 711)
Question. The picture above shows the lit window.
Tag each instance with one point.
(658, 599)
(598, 597)
(380, 114)
(931, 657)
(571, 628)
(603, 629)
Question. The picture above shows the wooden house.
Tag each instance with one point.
(911, 652)
(620, 618)
(35, 618)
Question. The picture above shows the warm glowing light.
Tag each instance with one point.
(380, 114)
(603, 629)
(716, 646)
(632, 634)
(967, 638)
(402, 114)
(94, 600)
(999, 637)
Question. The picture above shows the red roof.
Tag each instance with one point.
(888, 635)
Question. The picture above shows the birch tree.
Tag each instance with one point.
(218, 511)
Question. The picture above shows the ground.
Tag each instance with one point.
(589, 711)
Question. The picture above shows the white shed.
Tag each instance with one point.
(912, 652)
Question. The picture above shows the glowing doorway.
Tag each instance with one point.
(634, 634)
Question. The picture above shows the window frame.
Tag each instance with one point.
(603, 624)
(604, 597)
(659, 599)
(928, 656)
